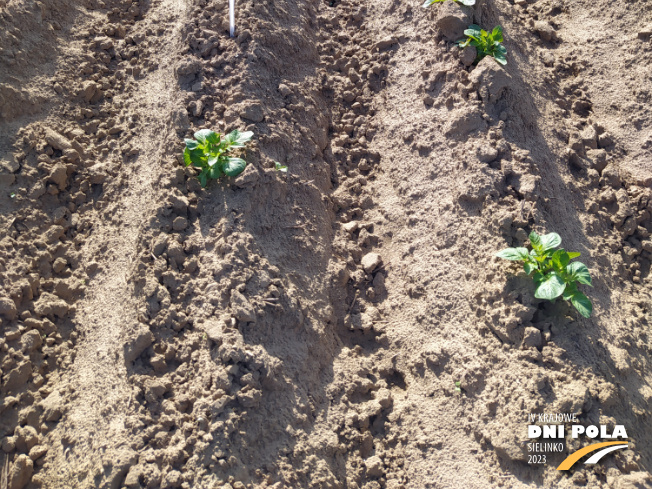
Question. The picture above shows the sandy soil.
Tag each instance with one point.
(308, 329)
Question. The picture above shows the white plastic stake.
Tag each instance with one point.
(232, 16)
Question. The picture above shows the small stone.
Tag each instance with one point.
(284, 89)
(53, 406)
(545, 31)
(37, 452)
(7, 308)
(468, 55)
(350, 227)
(8, 444)
(532, 337)
(59, 264)
(487, 154)
(56, 140)
(71, 154)
(371, 261)
(348, 96)
(605, 140)
(172, 480)
(160, 244)
(142, 340)
(242, 308)
(31, 341)
(59, 175)
(386, 42)
(21, 472)
(89, 89)
(180, 223)
(645, 32)
(374, 466)
(252, 112)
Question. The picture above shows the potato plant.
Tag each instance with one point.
(553, 273)
(210, 152)
(486, 43)
(468, 3)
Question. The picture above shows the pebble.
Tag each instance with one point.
(180, 223)
(468, 55)
(371, 261)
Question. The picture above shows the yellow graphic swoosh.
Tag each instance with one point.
(575, 456)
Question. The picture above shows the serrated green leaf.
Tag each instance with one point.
(578, 271)
(582, 304)
(551, 287)
(513, 254)
(550, 241)
(234, 166)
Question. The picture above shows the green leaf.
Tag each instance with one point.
(538, 278)
(573, 254)
(237, 139)
(245, 137)
(186, 157)
(279, 167)
(513, 254)
(550, 241)
(560, 258)
(497, 34)
(202, 177)
(191, 144)
(234, 166)
(500, 59)
(569, 291)
(530, 267)
(535, 240)
(582, 304)
(466, 2)
(215, 172)
(195, 156)
(474, 31)
(212, 160)
(578, 271)
(428, 3)
(551, 287)
(206, 135)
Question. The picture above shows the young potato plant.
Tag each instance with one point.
(468, 3)
(552, 272)
(209, 152)
(486, 43)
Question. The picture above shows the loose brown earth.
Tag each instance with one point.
(157, 334)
